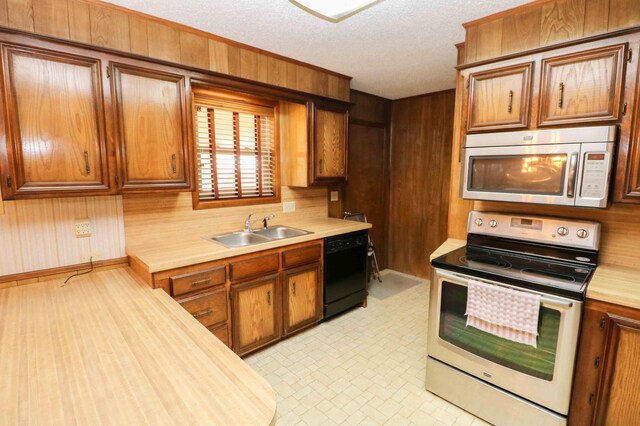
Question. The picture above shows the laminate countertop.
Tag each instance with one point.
(175, 250)
(610, 283)
(107, 349)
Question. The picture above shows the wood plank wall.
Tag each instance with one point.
(546, 22)
(102, 24)
(40, 234)
(152, 217)
(367, 190)
(422, 130)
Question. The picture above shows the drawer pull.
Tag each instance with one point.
(510, 107)
(203, 313)
(294, 288)
(561, 101)
(269, 297)
(201, 282)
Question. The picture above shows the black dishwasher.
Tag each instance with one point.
(345, 272)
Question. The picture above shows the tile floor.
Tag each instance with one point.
(365, 367)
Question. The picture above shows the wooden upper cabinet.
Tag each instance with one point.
(582, 87)
(302, 297)
(329, 144)
(499, 98)
(256, 308)
(56, 142)
(153, 127)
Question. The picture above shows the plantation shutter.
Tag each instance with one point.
(235, 149)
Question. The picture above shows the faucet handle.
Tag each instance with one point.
(267, 219)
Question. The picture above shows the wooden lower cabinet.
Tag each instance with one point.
(607, 379)
(222, 333)
(255, 307)
(302, 297)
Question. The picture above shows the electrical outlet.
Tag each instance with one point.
(83, 228)
(334, 195)
(289, 207)
(94, 256)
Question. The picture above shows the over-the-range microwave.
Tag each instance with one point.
(564, 167)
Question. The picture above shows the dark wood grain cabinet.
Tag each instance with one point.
(607, 378)
(329, 144)
(153, 125)
(499, 98)
(56, 140)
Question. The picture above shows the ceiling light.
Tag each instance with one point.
(334, 10)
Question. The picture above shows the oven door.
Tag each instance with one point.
(542, 375)
(541, 174)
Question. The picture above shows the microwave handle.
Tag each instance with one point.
(573, 167)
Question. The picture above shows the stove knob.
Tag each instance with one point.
(493, 223)
(478, 222)
(562, 231)
(582, 233)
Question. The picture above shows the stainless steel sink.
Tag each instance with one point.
(281, 232)
(243, 238)
(239, 239)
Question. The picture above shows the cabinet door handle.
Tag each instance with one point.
(269, 297)
(87, 166)
(321, 164)
(173, 163)
(294, 288)
(204, 313)
(201, 282)
(561, 100)
(510, 107)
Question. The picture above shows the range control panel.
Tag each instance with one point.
(543, 229)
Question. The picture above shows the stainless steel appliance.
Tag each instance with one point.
(345, 272)
(567, 167)
(499, 380)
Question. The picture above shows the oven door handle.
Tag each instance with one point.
(463, 280)
(571, 181)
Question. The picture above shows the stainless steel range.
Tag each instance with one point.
(547, 260)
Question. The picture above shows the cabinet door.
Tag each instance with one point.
(619, 400)
(256, 314)
(582, 87)
(56, 141)
(301, 297)
(153, 126)
(499, 98)
(329, 145)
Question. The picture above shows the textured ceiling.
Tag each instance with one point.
(395, 49)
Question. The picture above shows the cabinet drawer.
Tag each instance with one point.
(192, 281)
(257, 266)
(301, 255)
(208, 308)
(221, 332)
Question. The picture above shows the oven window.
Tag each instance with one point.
(522, 174)
(537, 362)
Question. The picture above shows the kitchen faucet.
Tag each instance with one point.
(248, 222)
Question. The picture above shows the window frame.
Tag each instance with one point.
(199, 204)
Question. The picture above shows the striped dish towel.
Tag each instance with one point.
(503, 312)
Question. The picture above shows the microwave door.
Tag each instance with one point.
(544, 174)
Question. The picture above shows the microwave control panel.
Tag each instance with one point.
(594, 174)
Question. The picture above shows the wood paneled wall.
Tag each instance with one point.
(367, 190)
(148, 218)
(422, 130)
(40, 234)
(544, 23)
(102, 24)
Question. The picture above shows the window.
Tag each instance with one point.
(236, 151)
